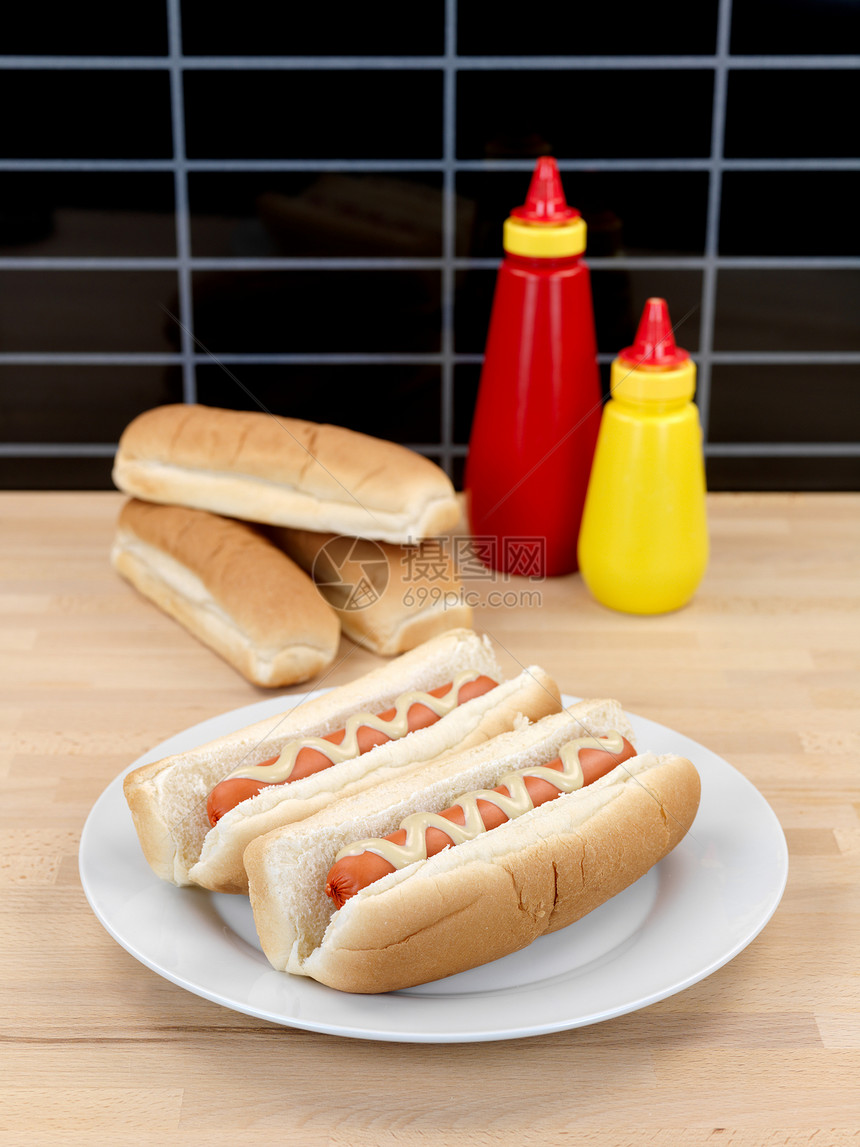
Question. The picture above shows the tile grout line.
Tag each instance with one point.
(603, 163)
(712, 226)
(512, 63)
(458, 450)
(391, 358)
(181, 212)
(406, 263)
(449, 223)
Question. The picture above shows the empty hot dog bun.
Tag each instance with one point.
(168, 799)
(230, 587)
(481, 899)
(414, 591)
(283, 471)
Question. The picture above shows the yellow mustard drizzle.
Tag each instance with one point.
(568, 780)
(281, 769)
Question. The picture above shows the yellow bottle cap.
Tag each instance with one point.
(652, 384)
(544, 240)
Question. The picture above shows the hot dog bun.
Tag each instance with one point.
(282, 471)
(412, 605)
(168, 798)
(230, 587)
(482, 899)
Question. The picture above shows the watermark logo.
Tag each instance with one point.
(351, 573)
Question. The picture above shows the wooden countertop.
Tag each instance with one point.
(763, 667)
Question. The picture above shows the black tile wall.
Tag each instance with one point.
(305, 311)
(316, 213)
(313, 114)
(795, 27)
(86, 28)
(55, 473)
(466, 379)
(759, 472)
(663, 28)
(790, 213)
(87, 213)
(104, 114)
(800, 402)
(591, 113)
(338, 28)
(330, 224)
(786, 114)
(49, 403)
(405, 405)
(791, 310)
(79, 311)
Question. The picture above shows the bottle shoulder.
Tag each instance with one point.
(655, 413)
(543, 270)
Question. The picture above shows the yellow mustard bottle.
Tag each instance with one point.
(643, 544)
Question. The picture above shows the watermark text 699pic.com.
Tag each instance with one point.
(354, 573)
(432, 571)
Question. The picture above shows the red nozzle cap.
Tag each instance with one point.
(655, 343)
(545, 202)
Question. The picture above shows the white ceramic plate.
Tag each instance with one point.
(682, 921)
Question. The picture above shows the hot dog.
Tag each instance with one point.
(422, 836)
(487, 896)
(168, 799)
(354, 741)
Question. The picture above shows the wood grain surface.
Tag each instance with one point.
(763, 667)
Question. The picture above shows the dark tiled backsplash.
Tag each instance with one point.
(329, 228)
(305, 311)
(337, 28)
(58, 404)
(86, 214)
(800, 402)
(79, 312)
(87, 28)
(268, 113)
(576, 113)
(794, 310)
(790, 213)
(795, 113)
(667, 28)
(277, 214)
(105, 113)
(401, 403)
(786, 27)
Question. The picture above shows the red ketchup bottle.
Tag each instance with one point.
(538, 409)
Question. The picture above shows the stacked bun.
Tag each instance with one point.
(222, 497)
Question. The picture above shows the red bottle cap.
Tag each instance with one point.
(545, 202)
(655, 343)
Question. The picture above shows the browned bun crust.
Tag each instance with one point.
(411, 607)
(230, 587)
(496, 894)
(283, 471)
